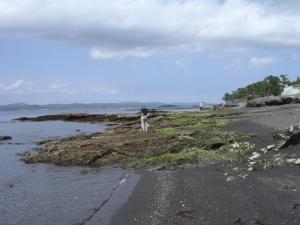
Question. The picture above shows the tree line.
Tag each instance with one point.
(270, 85)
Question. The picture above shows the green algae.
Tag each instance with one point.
(173, 140)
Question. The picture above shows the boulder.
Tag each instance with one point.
(4, 138)
(287, 137)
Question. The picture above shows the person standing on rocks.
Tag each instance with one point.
(144, 119)
(201, 106)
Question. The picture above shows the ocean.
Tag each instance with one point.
(45, 194)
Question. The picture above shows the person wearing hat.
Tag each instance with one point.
(144, 117)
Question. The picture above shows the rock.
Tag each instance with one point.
(243, 175)
(79, 117)
(235, 169)
(83, 172)
(272, 100)
(25, 154)
(297, 162)
(289, 136)
(255, 155)
(290, 160)
(4, 138)
(264, 150)
(230, 178)
(252, 163)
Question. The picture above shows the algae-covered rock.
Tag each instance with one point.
(174, 139)
(287, 137)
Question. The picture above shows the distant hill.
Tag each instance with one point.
(155, 105)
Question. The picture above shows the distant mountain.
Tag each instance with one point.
(156, 105)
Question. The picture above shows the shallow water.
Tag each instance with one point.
(42, 194)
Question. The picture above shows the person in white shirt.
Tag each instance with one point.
(201, 106)
(144, 117)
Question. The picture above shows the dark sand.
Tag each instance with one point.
(204, 196)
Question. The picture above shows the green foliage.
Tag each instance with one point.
(168, 159)
(271, 85)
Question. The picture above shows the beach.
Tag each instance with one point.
(205, 196)
(184, 188)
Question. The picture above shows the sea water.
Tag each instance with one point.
(42, 194)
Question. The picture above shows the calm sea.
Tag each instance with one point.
(42, 194)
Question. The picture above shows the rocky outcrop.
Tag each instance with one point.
(93, 118)
(272, 100)
(287, 137)
(4, 138)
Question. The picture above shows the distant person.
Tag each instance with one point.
(144, 118)
(201, 106)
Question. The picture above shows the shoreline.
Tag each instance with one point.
(200, 192)
(213, 195)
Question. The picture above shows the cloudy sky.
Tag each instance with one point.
(63, 51)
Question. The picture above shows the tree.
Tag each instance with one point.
(271, 85)
(285, 80)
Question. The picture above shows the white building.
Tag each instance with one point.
(291, 90)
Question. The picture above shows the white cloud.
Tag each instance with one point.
(140, 28)
(261, 62)
(18, 87)
(28, 87)
(99, 53)
(181, 63)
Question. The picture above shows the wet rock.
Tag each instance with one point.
(289, 136)
(250, 169)
(25, 154)
(297, 162)
(230, 178)
(255, 155)
(296, 206)
(79, 117)
(242, 175)
(270, 147)
(4, 138)
(290, 160)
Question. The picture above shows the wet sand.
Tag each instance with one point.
(205, 195)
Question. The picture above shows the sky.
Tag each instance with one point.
(66, 51)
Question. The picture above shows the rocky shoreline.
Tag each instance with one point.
(78, 117)
(176, 140)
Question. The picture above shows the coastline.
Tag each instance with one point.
(205, 195)
(223, 192)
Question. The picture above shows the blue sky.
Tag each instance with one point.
(141, 50)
